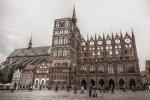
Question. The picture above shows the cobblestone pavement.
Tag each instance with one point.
(63, 95)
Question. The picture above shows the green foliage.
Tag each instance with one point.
(3, 77)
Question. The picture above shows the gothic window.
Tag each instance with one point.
(62, 24)
(57, 24)
(98, 48)
(55, 41)
(92, 69)
(120, 68)
(110, 52)
(84, 48)
(64, 52)
(93, 48)
(83, 69)
(110, 47)
(106, 47)
(98, 53)
(60, 40)
(61, 31)
(101, 69)
(126, 46)
(42, 81)
(117, 52)
(110, 69)
(65, 40)
(130, 45)
(59, 52)
(93, 53)
(66, 32)
(56, 32)
(66, 24)
(36, 82)
(90, 48)
(55, 53)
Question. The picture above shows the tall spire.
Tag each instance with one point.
(74, 15)
(30, 43)
(132, 32)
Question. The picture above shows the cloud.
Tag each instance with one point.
(21, 18)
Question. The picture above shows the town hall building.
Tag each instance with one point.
(106, 60)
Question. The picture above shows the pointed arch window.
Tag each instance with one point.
(60, 41)
(110, 69)
(56, 41)
(120, 68)
(64, 52)
(60, 52)
(65, 40)
(55, 53)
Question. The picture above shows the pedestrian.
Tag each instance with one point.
(12, 89)
(124, 88)
(112, 89)
(67, 88)
(90, 91)
(94, 92)
(82, 90)
(56, 88)
(133, 88)
(75, 90)
(149, 87)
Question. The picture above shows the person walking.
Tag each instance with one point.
(82, 90)
(94, 92)
(90, 91)
(149, 88)
(112, 89)
(56, 88)
(75, 90)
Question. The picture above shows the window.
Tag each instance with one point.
(59, 52)
(120, 68)
(117, 52)
(36, 82)
(56, 32)
(65, 40)
(42, 81)
(57, 24)
(61, 40)
(98, 48)
(64, 52)
(110, 52)
(110, 70)
(66, 32)
(55, 41)
(92, 69)
(93, 53)
(54, 53)
(98, 53)
(101, 69)
(83, 69)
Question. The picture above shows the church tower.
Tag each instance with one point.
(64, 49)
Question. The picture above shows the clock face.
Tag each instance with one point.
(83, 44)
(108, 41)
(127, 40)
(91, 43)
(99, 42)
(117, 41)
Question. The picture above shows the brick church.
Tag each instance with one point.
(107, 60)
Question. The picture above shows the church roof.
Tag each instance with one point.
(36, 51)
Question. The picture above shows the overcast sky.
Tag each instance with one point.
(20, 18)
